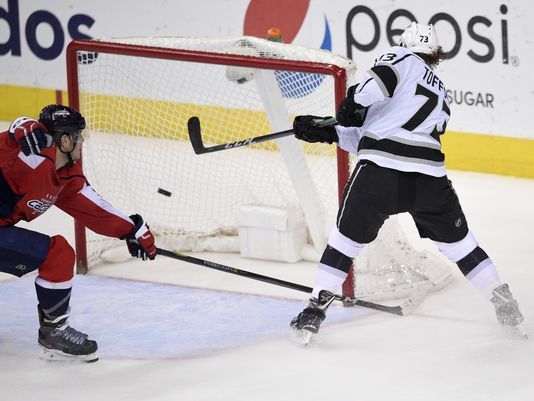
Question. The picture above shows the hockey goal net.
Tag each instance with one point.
(137, 95)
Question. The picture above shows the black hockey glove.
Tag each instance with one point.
(315, 129)
(140, 241)
(350, 113)
(30, 135)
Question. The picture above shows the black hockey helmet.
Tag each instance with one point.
(60, 120)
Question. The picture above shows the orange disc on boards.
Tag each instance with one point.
(274, 34)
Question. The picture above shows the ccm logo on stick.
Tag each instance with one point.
(244, 142)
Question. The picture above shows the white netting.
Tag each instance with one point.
(391, 268)
(137, 110)
(138, 151)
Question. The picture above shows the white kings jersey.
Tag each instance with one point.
(408, 111)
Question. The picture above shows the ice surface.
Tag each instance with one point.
(137, 320)
(173, 342)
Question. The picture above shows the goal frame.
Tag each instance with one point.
(96, 46)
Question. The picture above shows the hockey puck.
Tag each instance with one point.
(164, 192)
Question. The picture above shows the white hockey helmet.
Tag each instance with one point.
(420, 38)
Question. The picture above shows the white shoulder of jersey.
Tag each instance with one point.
(381, 80)
(392, 55)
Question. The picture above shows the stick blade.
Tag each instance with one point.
(413, 302)
(195, 136)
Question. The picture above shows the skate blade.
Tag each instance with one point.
(59, 356)
(302, 337)
(519, 331)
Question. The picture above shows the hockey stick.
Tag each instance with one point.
(195, 136)
(400, 310)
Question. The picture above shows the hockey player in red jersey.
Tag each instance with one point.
(38, 169)
(392, 120)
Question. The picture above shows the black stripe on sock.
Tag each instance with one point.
(472, 260)
(333, 258)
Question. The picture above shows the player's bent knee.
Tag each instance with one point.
(456, 251)
(344, 244)
(59, 263)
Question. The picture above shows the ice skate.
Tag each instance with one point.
(507, 310)
(308, 322)
(60, 342)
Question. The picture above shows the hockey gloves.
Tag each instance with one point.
(30, 135)
(350, 113)
(140, 241)
(315, 129)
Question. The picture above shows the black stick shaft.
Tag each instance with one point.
(195, 136)
(249, 141)
(396, 310)
(234, 270)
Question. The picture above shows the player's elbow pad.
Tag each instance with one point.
(350, 113)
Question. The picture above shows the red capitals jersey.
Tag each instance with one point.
(30, 185)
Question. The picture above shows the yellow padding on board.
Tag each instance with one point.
(464, 151)
(163, 119)
(17, 101)
(489, 154)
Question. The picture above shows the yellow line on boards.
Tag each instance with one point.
(489, 154)
(464, 151)
(17, 101)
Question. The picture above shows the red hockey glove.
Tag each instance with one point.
(140, 241)
(30, 135)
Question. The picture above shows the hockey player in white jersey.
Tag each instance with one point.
(392, 120)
